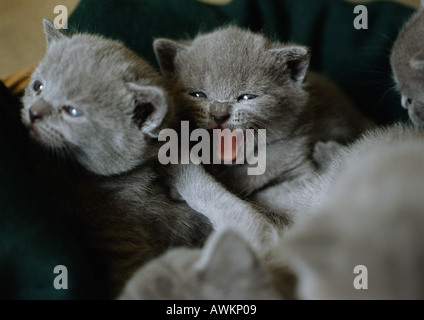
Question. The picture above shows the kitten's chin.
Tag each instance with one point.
(45, 138)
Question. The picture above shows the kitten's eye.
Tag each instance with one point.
(409, 101)
(73, 112)
(38, 86)
(247, 97)
(198, 94)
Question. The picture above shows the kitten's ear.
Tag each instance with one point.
(226, 251)
(417, 61)
(52, 34)
(166, 51)
(294, 59)
(150, 108)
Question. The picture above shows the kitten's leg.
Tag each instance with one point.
(295, 198)
(225, 210)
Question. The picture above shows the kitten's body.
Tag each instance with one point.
(407, 61)
(364, 208)
(371, 215)
(226, 268)
(368, 212)
(101, 105)
(243, 80)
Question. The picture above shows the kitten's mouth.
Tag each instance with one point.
(230, 145)
(230, 142)
(33, 132)
(50, 137)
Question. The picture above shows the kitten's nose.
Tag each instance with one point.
(35, 115)
(220, 112)
(220, 119)
(39, 110)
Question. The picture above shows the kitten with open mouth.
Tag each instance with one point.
(233, 78)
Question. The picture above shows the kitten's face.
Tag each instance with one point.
(226, 268)
(233, 79)
(407, 61)
(94, 99)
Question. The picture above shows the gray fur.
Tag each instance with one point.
(113, 193)
(90, 87)
(52, 34)
(368, 211)
(297, 107)
(226, 268)
(225, 210)
(371, 214)
(407, 61)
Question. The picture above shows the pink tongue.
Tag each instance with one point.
(227, 146)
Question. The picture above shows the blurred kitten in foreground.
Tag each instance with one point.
(373, 215)
(370, 214)
(227, 268)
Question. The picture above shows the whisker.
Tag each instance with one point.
(387, 91)
(268, 128)
(257, 129)
(260, 133)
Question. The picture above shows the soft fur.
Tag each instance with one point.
(363, 208)
(368, 211)
(371, 214)
(407, 61)
(226, 268)
(249, 82)
(106, 178)
(108, 82)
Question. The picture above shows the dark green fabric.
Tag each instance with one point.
(33, 238)
(358, 60)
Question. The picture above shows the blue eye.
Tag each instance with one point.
(38, 87)
(198, 94)
(409, 100)
(247, 97)
(73, 112)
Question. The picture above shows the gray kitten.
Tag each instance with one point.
(226, 268)
(368, 212)
(101, 106)
(407, 61)
(233, 78)
(371, 215)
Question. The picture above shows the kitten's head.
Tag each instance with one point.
(226, 268)
(233, 78)
(95, 99)
(407, 61)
